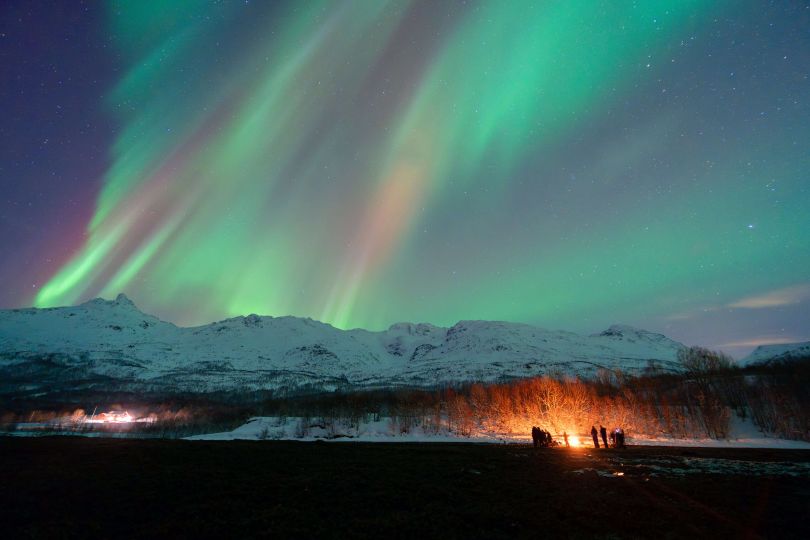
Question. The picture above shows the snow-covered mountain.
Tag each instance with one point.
(112, 345)
(783, 352)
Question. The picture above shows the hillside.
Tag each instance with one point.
(783, 352)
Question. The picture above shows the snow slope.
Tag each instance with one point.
(104, 344)
(766, 354)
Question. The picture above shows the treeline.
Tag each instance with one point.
(697, 403)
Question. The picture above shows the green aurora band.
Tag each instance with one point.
(337, 160)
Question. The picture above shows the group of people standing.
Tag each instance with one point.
(541, 438)
(616, 437)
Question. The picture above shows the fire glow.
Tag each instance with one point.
(117, 417)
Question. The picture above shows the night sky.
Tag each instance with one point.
(565, 164)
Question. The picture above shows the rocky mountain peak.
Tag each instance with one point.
(124, 301)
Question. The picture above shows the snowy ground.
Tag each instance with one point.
(293, 428)
(744, 435)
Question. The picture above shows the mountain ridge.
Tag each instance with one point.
(112, 344)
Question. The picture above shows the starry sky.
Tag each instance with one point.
(565, 164)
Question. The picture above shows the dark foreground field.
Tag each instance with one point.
(79, 487)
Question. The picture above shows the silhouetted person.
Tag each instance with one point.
(595, 435)
(620, 438)
(535, 435)
(565, 437)
(613, 438)
(603, 433)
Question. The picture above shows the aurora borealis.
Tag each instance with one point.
(566, 164)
